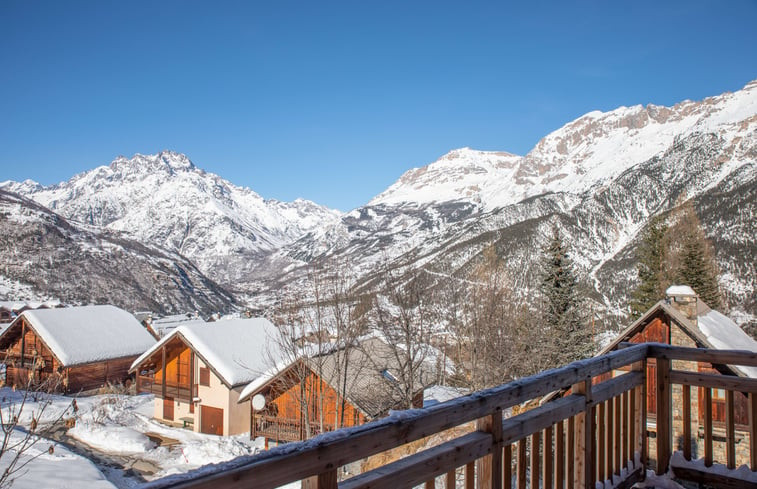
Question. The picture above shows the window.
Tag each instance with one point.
(204, 376)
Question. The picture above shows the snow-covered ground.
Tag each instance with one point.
(116, 428)
(60, 469)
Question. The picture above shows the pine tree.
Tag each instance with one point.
(692, 260)
(563, 320)
(651, 255)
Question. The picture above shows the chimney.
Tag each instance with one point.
(684, 300)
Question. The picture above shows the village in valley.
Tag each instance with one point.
(257, 245)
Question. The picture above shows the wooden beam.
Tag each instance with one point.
(730, 432)
(547, 459)
(664, 429)
(686, 393)
(571, 444)
(470, 475)
(601, 441)
(535, 444)
(752, 408)
(489, 468)
(707, 426)
(584, 433)
(507, 467)
(560, 455)
(714, 381)
(163, 370)
(715, 357)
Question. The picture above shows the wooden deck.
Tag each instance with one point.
(588, 435)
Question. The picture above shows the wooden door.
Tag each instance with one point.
(168, 408)
(211, 420)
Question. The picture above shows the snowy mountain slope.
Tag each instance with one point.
(599, 178)
(165, 200)
(51, 257)
(593, 149)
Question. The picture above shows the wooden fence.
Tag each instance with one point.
(594, 432)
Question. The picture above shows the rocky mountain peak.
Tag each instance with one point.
(166, 161)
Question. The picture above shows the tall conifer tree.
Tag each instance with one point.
(651, 256)
(563, 318)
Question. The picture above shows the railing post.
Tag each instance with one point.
(489, 468)
(664, 400)
(326, 480)
(583, 471)
(641, 416)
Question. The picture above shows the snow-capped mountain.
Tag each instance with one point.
(165, 200)
(599, 178)
(594, 149)
(42, 255)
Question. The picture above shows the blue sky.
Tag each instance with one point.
(334, 101)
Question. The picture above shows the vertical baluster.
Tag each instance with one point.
(601, 441)
(430, 484)
(616, 439)
(584, 439)
(631, 441)
(535, 442)
(609, 430)
(507, 468)
(326, 480)
(707, 427)
(686, 392)
(490, 467)
(522, 464)
(560, 455)
(752, 431)
(730, 434)
(663, 415)
(547, 462)
(470, 475)
(570, 467)
(643, 440)
(451, 480)
(624, 440)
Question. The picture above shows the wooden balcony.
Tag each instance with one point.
(284, 429)
(595, 432)
(148, 384)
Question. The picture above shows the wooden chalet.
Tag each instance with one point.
(313, 394)
(72, 349)
(198, 370)
(682, 319)
(9, 310)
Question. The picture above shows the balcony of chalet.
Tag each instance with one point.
(596, 429)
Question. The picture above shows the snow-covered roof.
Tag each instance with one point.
(684, 290)
(724, 334)
(238, 350)
(18, 305)
(85, 334)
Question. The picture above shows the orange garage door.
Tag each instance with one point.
(211, 420)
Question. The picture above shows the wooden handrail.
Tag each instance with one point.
(617, 405)
(321, 454)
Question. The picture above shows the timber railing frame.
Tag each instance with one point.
(592, 432)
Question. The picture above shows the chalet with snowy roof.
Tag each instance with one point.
(335, 398)
(198, 370)
(9, 310)
(683, 319)
(72, 349)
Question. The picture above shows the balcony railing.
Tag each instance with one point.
(594, 432)
(148, 384)
(285, 429)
